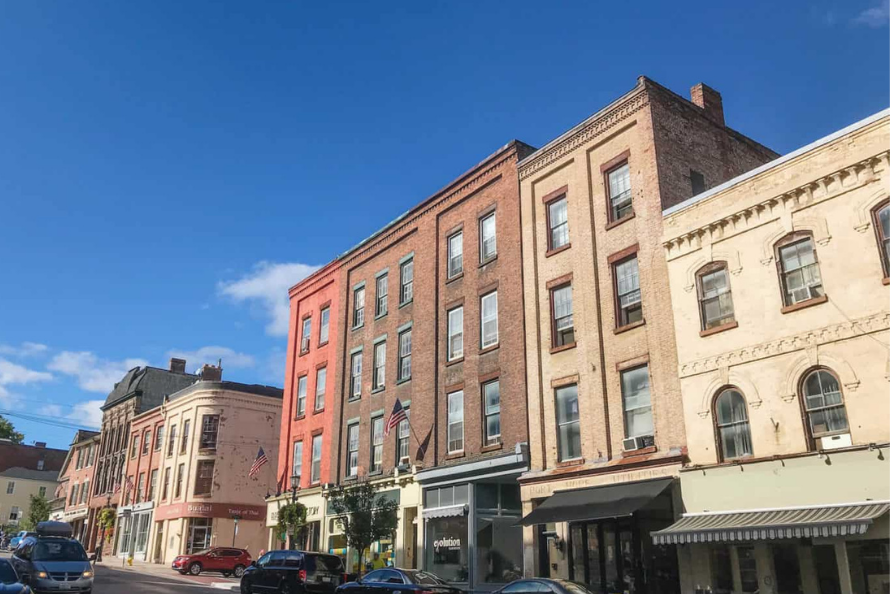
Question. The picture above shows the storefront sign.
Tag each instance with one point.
(210, 510)
(447, 543)
(76, 514)
(548, 488)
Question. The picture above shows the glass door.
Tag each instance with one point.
(199, 534)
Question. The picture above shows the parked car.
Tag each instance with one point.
(543, 586)
(392, 580)
(51, 561)
(15, 540)
(9, 580)
(226, 560)
(293, 572)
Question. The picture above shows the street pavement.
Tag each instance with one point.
(117, 581)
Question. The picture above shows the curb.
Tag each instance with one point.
(225, 586)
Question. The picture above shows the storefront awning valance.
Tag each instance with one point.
(773, 524)
(451, 511)
(595, 503)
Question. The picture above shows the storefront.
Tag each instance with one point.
(811, 524)
(134, 523)
(470, 517)
(308, 539)
(191, 527)
(78, 519)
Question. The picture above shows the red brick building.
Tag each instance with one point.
(73, 495)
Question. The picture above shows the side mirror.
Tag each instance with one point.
(253, 563)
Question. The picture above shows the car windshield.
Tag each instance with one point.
(62, 550)
(7, 575)
(423, 578)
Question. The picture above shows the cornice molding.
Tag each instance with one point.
(789, 344)
(584, 134)
(826, 187)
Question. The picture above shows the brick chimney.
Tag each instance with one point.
(211, 373)
(177, 365)
(710, 101)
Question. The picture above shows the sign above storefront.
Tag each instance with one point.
(210, 510)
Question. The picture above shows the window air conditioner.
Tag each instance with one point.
(638, 443)
(832, 442)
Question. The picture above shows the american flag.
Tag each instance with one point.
(397, 416)
(258, 463)
(117, 487)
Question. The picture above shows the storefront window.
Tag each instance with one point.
(123, 541)
(869, 564)
(747, 569)
(721, 569)
(498, 538)
(200, 530)
(447, 555)
(787, 567)
(142, 522)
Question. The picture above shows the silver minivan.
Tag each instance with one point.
(52, 561)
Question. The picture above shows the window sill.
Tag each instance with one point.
(404, 380)
(718, 329)
(321, 344)
(318, 410)
(492, 448)
(306, 352)
(454, 361)
(375, 473)
(631, 326)
(572, 462)
(380, 315)
(620, 221)
(354, 328)
(300, 417)
(805, 304)
(488, 261)
(885, 280)
(640, 452)
(561, 348)
(354, 399)
(350, 478)
(454, 278)
(207, 451)
(489, 349)
(405, 304)
(455, 455)
(555, 251)
(378, 390)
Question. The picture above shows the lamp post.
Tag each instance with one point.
(294, 487)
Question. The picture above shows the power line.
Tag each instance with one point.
(46, 420)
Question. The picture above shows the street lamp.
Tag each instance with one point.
(294, 487)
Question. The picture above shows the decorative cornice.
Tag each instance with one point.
(595, 126)
(845, 179)
(789, 344)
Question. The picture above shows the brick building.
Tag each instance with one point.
(26, 470)
(73, 494)
(605, 415)
(778, 282)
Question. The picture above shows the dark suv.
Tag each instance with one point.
(293, 572)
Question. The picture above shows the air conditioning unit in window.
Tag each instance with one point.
(832, 442)
(638, 443)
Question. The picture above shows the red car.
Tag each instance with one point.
(227, 561)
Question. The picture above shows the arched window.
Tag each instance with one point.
(823, 404)
(798, 269)
(882, 229)
(714, 296)
(733, 428)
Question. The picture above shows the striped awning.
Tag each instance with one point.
(773, 524)
(450, 511)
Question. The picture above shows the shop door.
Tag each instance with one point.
(199, 534)
(159, 542)
(604, 557)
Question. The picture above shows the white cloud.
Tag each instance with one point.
(266, 287)
(210, 354)
(12, 373)
(26, 349)
(93, 374)
(87, 413)
(874, 17)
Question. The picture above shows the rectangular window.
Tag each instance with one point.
(491, 401)
(79, 463)
(159, 438)
(455, 333)
(563, 318)
(356, 378)
(558, 223)
(84, 492)
(358, 307)
(171, 441)
(301, 395)
(209, 432)
(146, 442)
(14, 513)
(72, 497)
(352, 450)
(153, 485)
(637, 402)
(406, 282)
(324, 326)
(307, 333)
(165, 492)
(620, 203)
(10, 487)
(379, 365)
(715, 298)
(321, 380)
(455, 254)
(186, 432)
(204, 477)
(627, 289)
(568, 422)
(402, 454)
(135, 448)
(377, 444)
(405, 355)
(180, 475)
(488, 246)
(298, 459)
(315, 471)
(382, 290)
(489, 319)
(456, 422)
(140, 488)
(697, 180)
(801, 279)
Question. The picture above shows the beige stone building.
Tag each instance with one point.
(606, 428)
(778, 280)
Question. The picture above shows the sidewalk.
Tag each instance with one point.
(214, 580)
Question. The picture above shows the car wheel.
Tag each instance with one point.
(239, 571)
(195, 568)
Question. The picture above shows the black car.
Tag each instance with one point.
(293, 572)
(392, 580)
(9, 580)
(543, 586)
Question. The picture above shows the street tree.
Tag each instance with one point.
(38, 511)
(7, 431)
(364, 515)
(291, 519)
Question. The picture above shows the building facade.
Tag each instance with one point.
(192, 490)
(26, 470)
(308, 434)
(604, 408)
(778, 283)
(73, 493)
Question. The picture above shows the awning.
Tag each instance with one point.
(595, 503)
(451, 511)
(773, 524)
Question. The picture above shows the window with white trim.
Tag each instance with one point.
(356, 376)
(558, 223)
(301, 395)
(563, 327)
(324, 325)
(405, 355)
(620, 203)
(358, 307)
(381, 296)
(297, 469)
(491, 402)
(377, 444)
(456, 422)
(307, 333)
(637, 401)
(455, 333)
(315, 469)
(489, 321)
(627, 290)
(799, 271)
(406, 282)
(568, 422)
(379, 379)
(321, 380)
(488, 247)
(352, 450)
(455, 254)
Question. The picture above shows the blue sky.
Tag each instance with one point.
(168, 168)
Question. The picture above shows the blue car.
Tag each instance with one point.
(9, 580)
(15, 540)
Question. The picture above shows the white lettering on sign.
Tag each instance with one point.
(447, 542)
